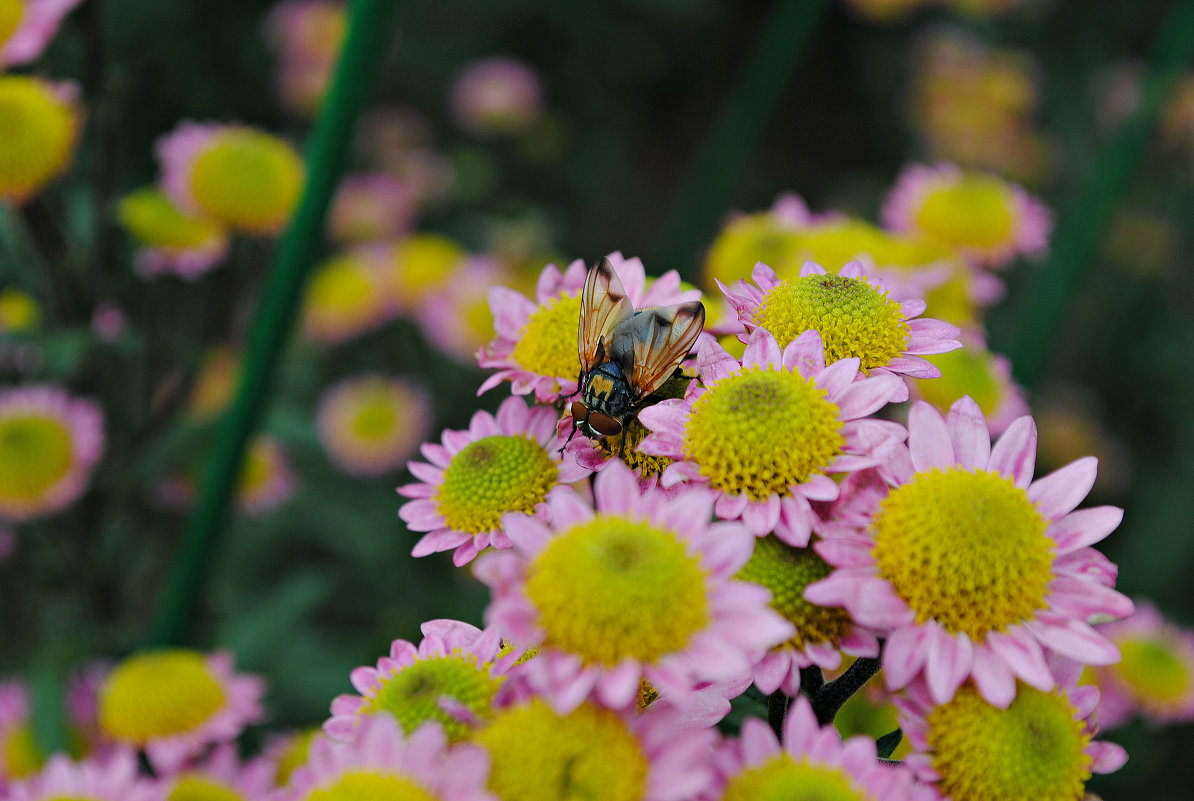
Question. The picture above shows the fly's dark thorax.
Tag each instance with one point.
(607, 391)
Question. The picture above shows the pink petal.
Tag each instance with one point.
(869, 395)
(995, 681)
(1062, 490)
(928, 438)
(904, 655)
(948, 664)
(1077, 640)
(971, 438)
(1085, 527)
(1014, 455)
(1023, 655)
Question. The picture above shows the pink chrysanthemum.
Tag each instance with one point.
(456, 318)
(382, 763)
(987, 219)
(496, 96)
(266, 478)
(20, 754)
(50, 442)
(370, 424)
(115, 778)
(985, 376)
(811, 762)
(41, 121)
(504, 463)
(27, 26)
(370, 206)
(970, 568)
(763, 433)
(347, 295)
(536, 347)
(173, 241)
(452, 677)
(853, 314)
(640, 589)
(220, 774)
(82, 706)
(174, 703)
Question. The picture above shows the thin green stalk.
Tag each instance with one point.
(1080, 227)
(706, 193)
(370, 31)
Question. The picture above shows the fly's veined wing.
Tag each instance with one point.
(651, 344)
(603, 305)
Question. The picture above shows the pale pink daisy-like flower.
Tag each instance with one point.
(114, 778)
(456, 318)
(220, 774)
(452, 676)
(109, 322)
(764, 433)
(640, 589)
(172, 241)
(971, 569)
(987, 219)
(82, 705)
(536, 347)
(505, 463)
(27, 26)
(370, 424)
(174, 703)
(980, 373)
(41, 121)
(758, 765)
(496, 96)
(266, 478)
(382, 762)
(853, 314)
(50, 441)
(21, 756)
(370, 206)
(347, 295)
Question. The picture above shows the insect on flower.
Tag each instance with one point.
(625, 355)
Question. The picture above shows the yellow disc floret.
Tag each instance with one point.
(342, 298)
(154, 219)
(853, 318)
(786, 571)
(548, 342)
(747, 240)
(194, 787)
(759, 432)
(37, 133)
(158, 694)
(975, 211)
(415, 694)
(492, 476)
(966, 371)
(1154, 670)
(614, 588)
(36, 452)
(363, 784)
(11, 12)
(20, 753)
(587, 754)
(247, 180)
(1033, 749)
(424, 262)
(782, 778)
(18, 311)
(965, 548)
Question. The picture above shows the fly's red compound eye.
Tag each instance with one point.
(604, 425)
(579, 411)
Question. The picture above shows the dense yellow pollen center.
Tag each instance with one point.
(11, 12)
(853, 318)
(548, 344)
(38, 131)
(783, 778)
(588, 754)
(425, 261)
(746, 241)
(158, 694)
(1154, 670)
(1033, 749)
(20, 754)
(978, 210)
(36, 452)
(965, 548)
(259, 468)
(376, 415)
(613, 588)
(416, 693)
(491, 476)
(634, 433)
(155, 220)
(18, 311)
(786, 571)
(759, 432)
(966, 371)
(248, 180)
(342, 289)
(193, 787)
(364, 784)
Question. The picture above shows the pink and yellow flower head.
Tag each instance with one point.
(40, 122)
(219, 370)
(239, 177)
(969, 568)
(220, 775)
(346, 296)
(27, 26)
(172, 240)
(370, 206)
(457, 319)
(984, 376)
(113, 778)
(504, 463)
(496, 97)
(19, 311)
(20, 754)
(50, 442)
(639, 589)
(266, 478)
(307, 36)
(370, 424)
(419, 266)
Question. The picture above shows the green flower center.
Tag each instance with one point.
(37, 130)
(548, 342)
(247, 179)
(492, 476)
(415, 694)
(363, 784)
(192, 787)
(153, 219)
(977, 210)
(158, 694)
(1155, 671)
(36, 452)
(782, 778)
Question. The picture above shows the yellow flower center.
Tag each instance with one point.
(362, 784)
(548, 342)
(18, 311)
(964, 548)
(248, 180)
(1033, 749)
(613, 588)
(341, 295)
(20, 754)
(11, 12)
(786, 571)
(36, 452)
(492, 476)
(833, 243)
(294, 755)
(966, 371)
(782, 778)
(633, 434)
(215, 382)
(376, 416)
(158, 694)
(260, 467)
(748, 240)
(759, 432)
(1156, 672)
(538, 755)
(37, 133)
(415, 694)
(853, 318)
(155, 220)
(424, 262)
(193, 787)
(976, 211)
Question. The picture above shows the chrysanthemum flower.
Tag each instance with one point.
(345, 297)
(240, 177)
(503, 463)
(1155, 673)
(49, 443)
(82, 707)
(987, 219)
(173, 703)
(985, 376)
(220, 776)
(496, 96)
(1041, 746)
(370, 206)
(284, 754)
(591, 752)
(970, 568)
(418, 266)
(764, 433)
(172, 240)
(27, 26)
(381, 763)
(853, 314)
(18, 311)
(307, 35)
(266, 480)
(457, 319)
(20, 754)
(641, 589)
(452, 677)
(215, 382)
(113, 778)
(812, 762)
(370, 424)
(41, 122)
(536, 345)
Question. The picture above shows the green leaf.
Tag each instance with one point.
(888, 743)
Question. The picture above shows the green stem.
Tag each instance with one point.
(370, 31)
